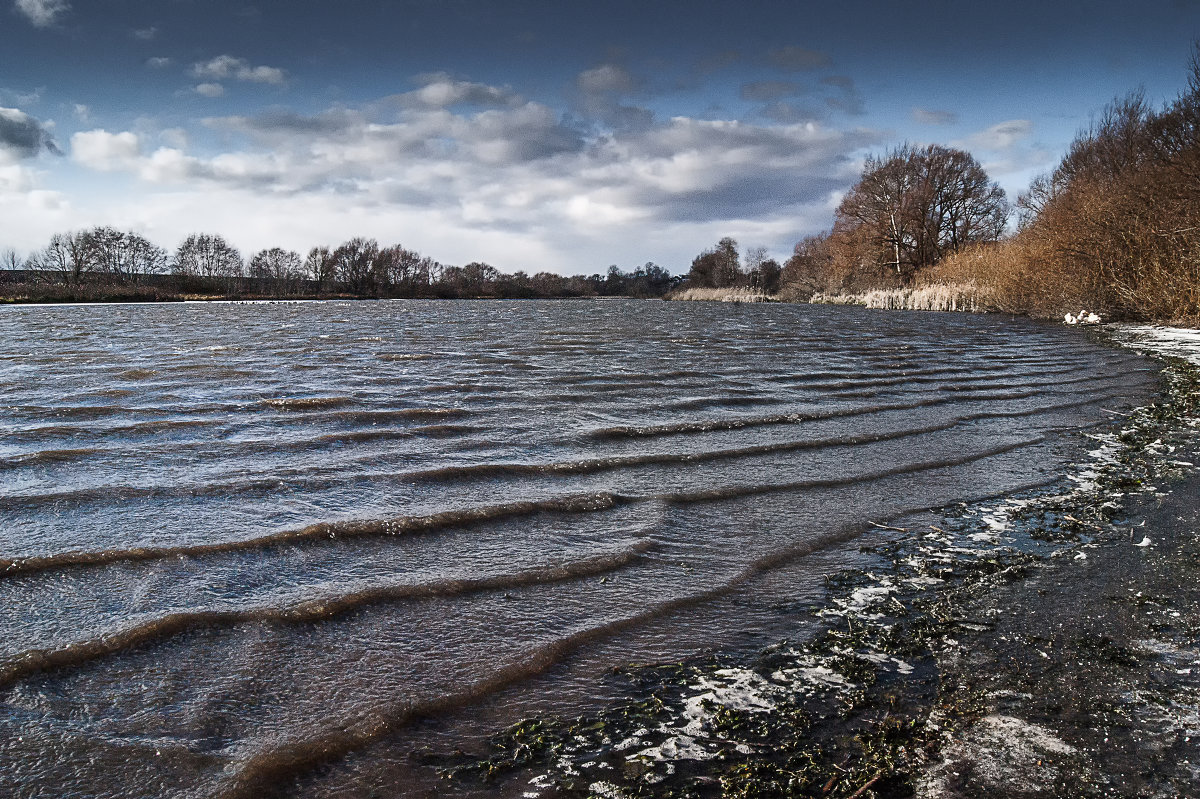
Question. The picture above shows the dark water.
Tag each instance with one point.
(270, 547)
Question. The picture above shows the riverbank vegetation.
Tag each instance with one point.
(1115, 228)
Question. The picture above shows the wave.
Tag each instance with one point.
(306, 403)
(45, 457)
(405, 525)
(738, 423)
(323, 608)
(401, 525)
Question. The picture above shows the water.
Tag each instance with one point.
(274, 548)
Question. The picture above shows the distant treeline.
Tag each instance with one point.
(104, 264)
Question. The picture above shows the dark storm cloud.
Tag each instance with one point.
(24, 136)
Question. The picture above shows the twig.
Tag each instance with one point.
(885, 527)
(1118, 413)
(860, 791)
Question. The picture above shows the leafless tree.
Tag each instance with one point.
(123, 256)
(68, 255)
(718, 267)
(276, 263)
(914, 206)
(318, 265)
(207, 255)
(354, 264)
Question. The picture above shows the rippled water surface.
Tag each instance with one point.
(255, 548)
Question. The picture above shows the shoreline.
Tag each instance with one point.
(965, 659)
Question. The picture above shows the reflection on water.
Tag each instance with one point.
(240, 543)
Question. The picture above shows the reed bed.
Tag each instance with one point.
(721, 295)
(967, 297)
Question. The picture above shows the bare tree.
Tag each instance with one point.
(718, 267)
(914, 206)
(277, 264)
(123, 256)
(354, 264)
(10, 259)
(206, 255)
(319, 266)
(68, 255)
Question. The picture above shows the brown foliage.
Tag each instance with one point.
(1116, 227)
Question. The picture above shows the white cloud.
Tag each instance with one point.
(106, 152)
(1002, 136)
(158, 62)
(440, 90)
(607, 78)
(145, 34)
(209, 89)
(227, 67)
(42, 13)
(465, 171)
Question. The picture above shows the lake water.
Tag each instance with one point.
(248, 549)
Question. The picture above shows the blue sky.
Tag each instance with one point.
(532, 134)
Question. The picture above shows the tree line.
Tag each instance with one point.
(910, 209)
(1114, 228)
(105, 263)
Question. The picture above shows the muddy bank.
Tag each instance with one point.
(1043, 644)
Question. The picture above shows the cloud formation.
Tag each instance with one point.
(22, 136)
(1002, 136)
(511, 167)
(104, 151)
(209, 89)
(42, 13)
(227, 67)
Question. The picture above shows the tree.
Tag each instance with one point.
(68, 255)
(124, 256)
(206, 255)
(718, 267)
(354, 264)
(277, 264)
(914, 206)
(319, 266)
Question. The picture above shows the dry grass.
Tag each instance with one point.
(720, 295)
(968, 297)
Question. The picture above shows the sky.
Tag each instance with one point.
(536, 135)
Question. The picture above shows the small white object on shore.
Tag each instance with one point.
(1083, 318)
(1145, 542)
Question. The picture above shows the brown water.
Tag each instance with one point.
(271, 548)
